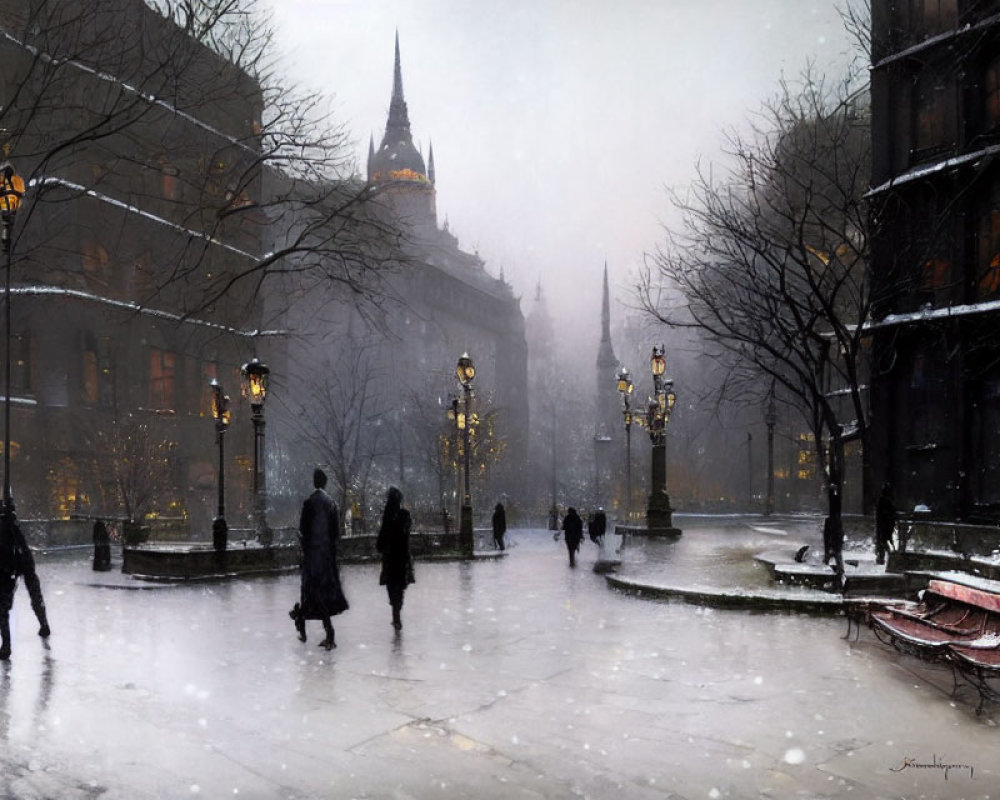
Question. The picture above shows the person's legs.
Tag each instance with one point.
(34, 587)
(7, 586)
(328, 642)
(396, 601)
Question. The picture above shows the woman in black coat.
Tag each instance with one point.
(102, 547)
(573, 527)
(321, 594)
(393, 543)
(499, 526)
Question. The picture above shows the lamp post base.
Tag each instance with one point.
(220, 534)
(465, 537)
(659, 514)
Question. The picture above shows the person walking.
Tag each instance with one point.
(573, 529)
(885, 522)
(321, 595)
(102, 547)
(598, 526)
(499, 526)
(16, 560)
(393, 543)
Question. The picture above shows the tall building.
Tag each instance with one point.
(936, 256)
(132, 146)
(451, 305)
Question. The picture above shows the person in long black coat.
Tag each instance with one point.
(16, 560)
(321, 595)
(499, 525)
(102, 547)
(573, 528)
(393, 543)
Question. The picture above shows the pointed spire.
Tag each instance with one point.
(430, 163)
(397, 128)
(606, 309)
(538, 290)
(371, 152)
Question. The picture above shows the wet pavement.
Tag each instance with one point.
(513, 678)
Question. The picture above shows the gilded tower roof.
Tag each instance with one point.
(397, 159)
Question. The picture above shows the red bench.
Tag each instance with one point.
(954, 623)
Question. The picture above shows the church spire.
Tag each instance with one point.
(430, 162)
(371, 151)
(397, 128)
(606, 310)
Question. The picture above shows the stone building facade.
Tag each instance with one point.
(131, 146)
(936, 256)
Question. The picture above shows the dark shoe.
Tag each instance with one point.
(300, 623)
(328, 644)
(5, 651)
(44, 631)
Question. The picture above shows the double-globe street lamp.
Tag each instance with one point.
(625, 386)
(220, 413)
(465, 370)
(11, 192)
(254, 376)
(661, 404)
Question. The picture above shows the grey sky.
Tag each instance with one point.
(556, 124)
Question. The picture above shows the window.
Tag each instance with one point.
(988, 244)
(95, 264)
(162, 367)
(991, 94)
(90, 372)
(930, 119)
(169, 175)
(935, 274)
(934, 16)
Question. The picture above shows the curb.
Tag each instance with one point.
(747, 601)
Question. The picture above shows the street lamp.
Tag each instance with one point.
(660, 406)
(254, 377)
(625, 387)
(466, 372)
(220, 413)
(770, 417)
(11, 192)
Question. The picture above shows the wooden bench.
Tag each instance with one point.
(953, 623)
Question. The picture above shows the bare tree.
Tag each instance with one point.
(100, 100)
(134, 466)
(771, 262)
(337, 418)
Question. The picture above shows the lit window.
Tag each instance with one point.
(162, 366)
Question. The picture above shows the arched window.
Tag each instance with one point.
(96, 265)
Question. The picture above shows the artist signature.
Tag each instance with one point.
(912, 763)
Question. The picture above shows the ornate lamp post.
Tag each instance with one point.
(658, 513)
(11, 192)
(466, 372)
(625, 387)
(255, 377)
(220, 413)
(770, 417)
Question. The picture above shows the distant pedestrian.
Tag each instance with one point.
(16, 560)
(499, 526)
(885, 522)
(597, 527)
(833, 533)
(321, 595)
(102, 547)
(393, 543)
(573, 529)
